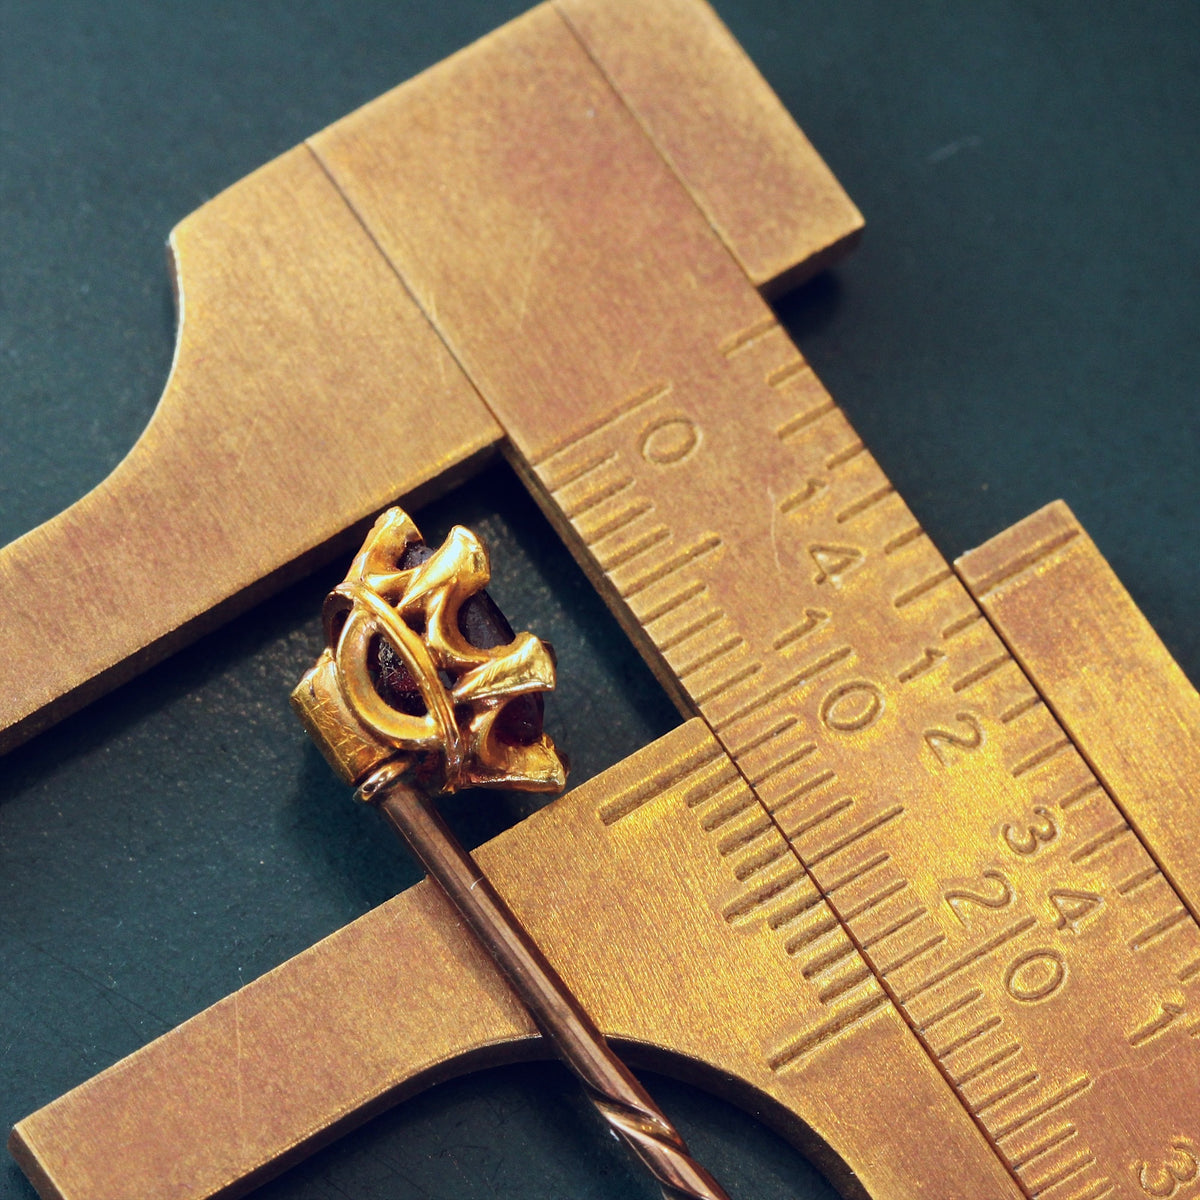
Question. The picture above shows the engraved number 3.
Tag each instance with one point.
(1035, 835)
(1165, 1180)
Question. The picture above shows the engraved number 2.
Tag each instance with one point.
(968, 737)
(994, 897)
(1164, 1180)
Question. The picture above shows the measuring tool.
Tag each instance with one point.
(895, 854)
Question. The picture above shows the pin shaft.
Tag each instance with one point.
(612, 1088)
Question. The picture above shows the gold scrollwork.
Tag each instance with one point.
(451, 734)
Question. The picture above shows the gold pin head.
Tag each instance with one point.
(421, 673)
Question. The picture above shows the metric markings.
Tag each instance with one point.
(874, 692)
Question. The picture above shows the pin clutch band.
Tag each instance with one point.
(424, 688)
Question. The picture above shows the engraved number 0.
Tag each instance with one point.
(1164, 1180)
(669, 440)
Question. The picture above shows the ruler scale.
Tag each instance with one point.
(717, 493)
(879, 824)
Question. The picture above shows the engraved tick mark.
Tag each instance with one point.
(948, 1010)
(725, 813)
(873, 901)
(780, 764)
(926, 586)
(583, 469)
(904, 539)
(789, 370)
(970, 958)
(1072, 1169)
(596, 498)
(818, 667)
(646, 542)
(864, 504)
(980, 673)
(971, 1035)
(815, 819)
(762, 739)
(857, 873)
(646, 790)
(841, 986)
(709, 789)
(911, 956)
(1158, 929)
(844, 843)
(1020, 709)
(688, 631)
(1137, 881)
(842, 457)
(1023, 563)
(793, 426)
(673, 602)
(1040, 757)
(806, 673)
(625, 517)
(638, 400)
(992, 1060)
(762, 861)
(1055, 1101)
(895, 927)
(1099, 842)
(711, 655)
(729, 682)
(961, 625)
(747, 905)
(1080, 794)
(795, 910)
(852, 1015)
(705, 545)
(827, 961)
(822, 928)
(1057, 1138)
(1009, 1089)
(748, 336)
(743, 837)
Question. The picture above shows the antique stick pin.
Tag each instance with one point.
(423, 688)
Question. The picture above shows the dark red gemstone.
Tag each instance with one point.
(483, 625)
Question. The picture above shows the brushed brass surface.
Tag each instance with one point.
(628, 1111)
(767, 194)
(655, 887)
(902, 878)
(196, 523)
(200, 519)
(1105, 674)
(716, 495)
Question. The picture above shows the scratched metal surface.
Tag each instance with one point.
(1019, 324)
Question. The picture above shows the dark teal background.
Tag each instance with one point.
(1019, 324)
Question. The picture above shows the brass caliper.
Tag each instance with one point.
(919, 852)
